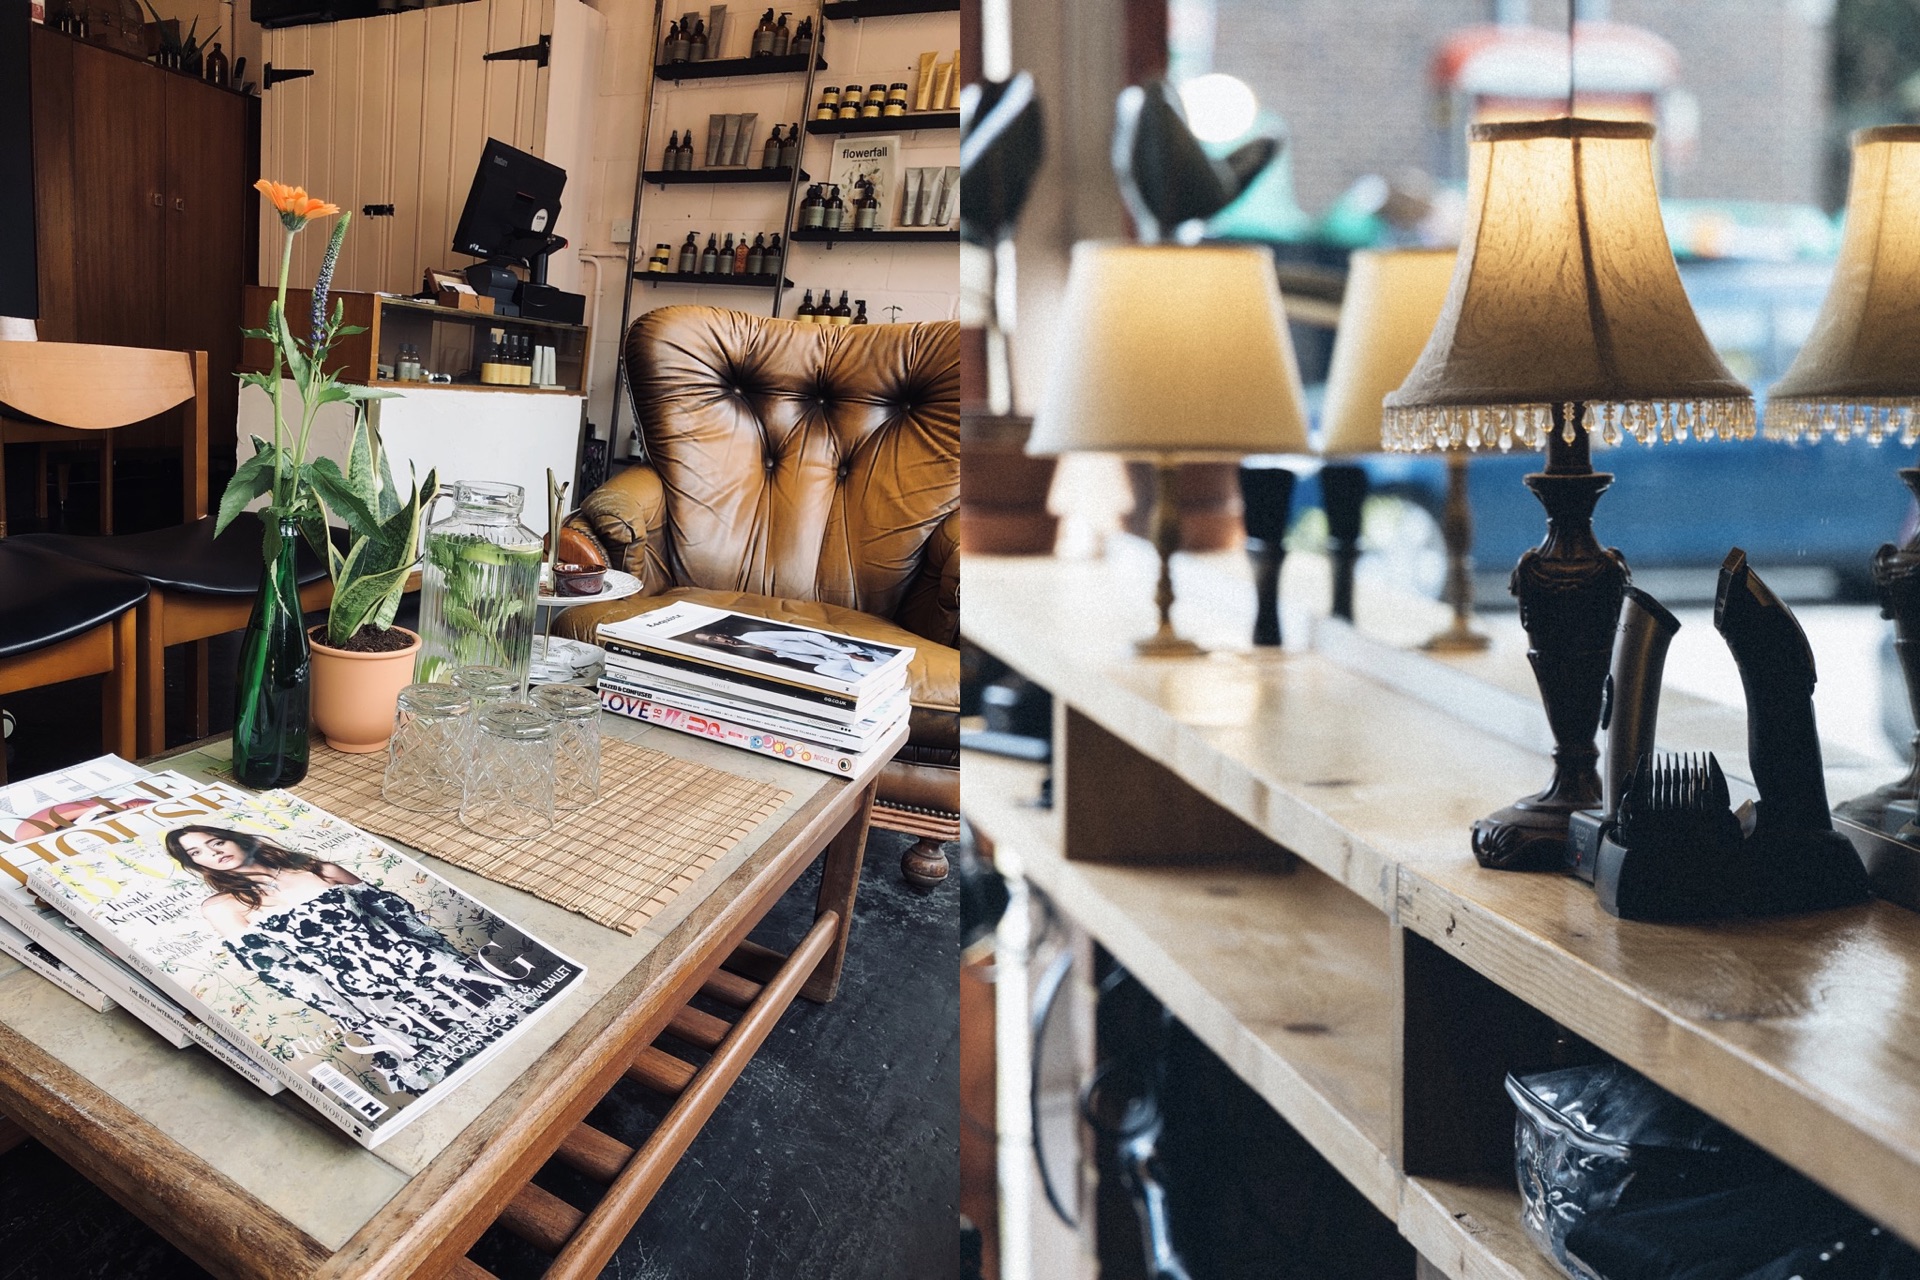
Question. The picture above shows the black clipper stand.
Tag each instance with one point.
(1629, 708)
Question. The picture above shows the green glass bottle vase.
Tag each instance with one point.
(270, 696)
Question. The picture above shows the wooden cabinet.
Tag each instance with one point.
(143, 193)
(396, 113)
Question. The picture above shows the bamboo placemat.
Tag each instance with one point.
(660, 821)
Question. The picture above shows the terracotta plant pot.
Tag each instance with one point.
(354, 694)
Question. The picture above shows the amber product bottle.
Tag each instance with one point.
(897, 98)
(490, 358)
(790, 149)
(782, 37)
(690, 254)
(763, 36)
(697, 43)
(843, 314)
(679, 45)
(217, 68)
(770, 154)
(741, 255)
(724, 263)
(757, 255)
(686, 152)
(805, 314)
(860, 312)
(866, 209)
(774, 260)
(516, 360)
(850, 102)
(671, 160)
(813, 209)
(710, 257)
(835, 215)
(802, 40)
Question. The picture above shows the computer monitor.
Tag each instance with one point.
(511, 209)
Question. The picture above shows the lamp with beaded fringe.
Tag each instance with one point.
(1565, 320)
(1858, 378)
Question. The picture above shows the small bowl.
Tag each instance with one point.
(579, 579)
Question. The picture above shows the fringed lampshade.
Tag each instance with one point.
(1565, 293)
(1858, 377)
(1859, 372)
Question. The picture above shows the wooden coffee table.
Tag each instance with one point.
(251, 1186)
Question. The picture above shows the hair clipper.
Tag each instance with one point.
(1793, 859)
(1629, 708)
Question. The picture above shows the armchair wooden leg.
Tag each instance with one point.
(197, 686)
(119, 701)
(153, 675)
(924, 863)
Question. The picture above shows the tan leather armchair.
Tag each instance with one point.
(811, 474)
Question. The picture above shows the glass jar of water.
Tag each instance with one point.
(479, 585)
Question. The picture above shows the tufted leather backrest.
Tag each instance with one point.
(798, 460)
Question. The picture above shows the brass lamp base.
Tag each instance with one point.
(1165, 642)
(1456, 525)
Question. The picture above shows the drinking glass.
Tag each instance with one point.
(486, 685)
(509, 791)
(427, 754)
(576, 743)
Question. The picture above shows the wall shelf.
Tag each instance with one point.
(842, 10)
(817, 235)
(712, 68)
(727, 281)
(889, 124)
(709, 177)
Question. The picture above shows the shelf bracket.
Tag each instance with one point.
(536, 53)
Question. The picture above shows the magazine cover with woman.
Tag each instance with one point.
(367, 983)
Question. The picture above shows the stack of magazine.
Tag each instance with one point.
(300, 951)
(818, 698)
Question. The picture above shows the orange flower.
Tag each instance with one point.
(296, 207)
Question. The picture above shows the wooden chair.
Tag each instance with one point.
(200, 586)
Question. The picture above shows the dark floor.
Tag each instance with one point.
(832, 1158)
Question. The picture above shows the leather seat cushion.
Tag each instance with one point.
(45, 598)
(933, 680)
(184, 557)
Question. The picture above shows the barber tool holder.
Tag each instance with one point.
(1570, 589)
(1675, 853)
(1343, 496)
(1793, 859)
(1629, 712)
(1266, 498)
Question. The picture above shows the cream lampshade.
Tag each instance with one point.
(1858, 377)
(1168, 353)
(1393, 299)
(1565, 317)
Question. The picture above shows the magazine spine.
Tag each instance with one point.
(307, 1091)
(236, 1058)
(57, 971)
(811, 755)
(136, 997)
(767, 720)
(721, 676)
